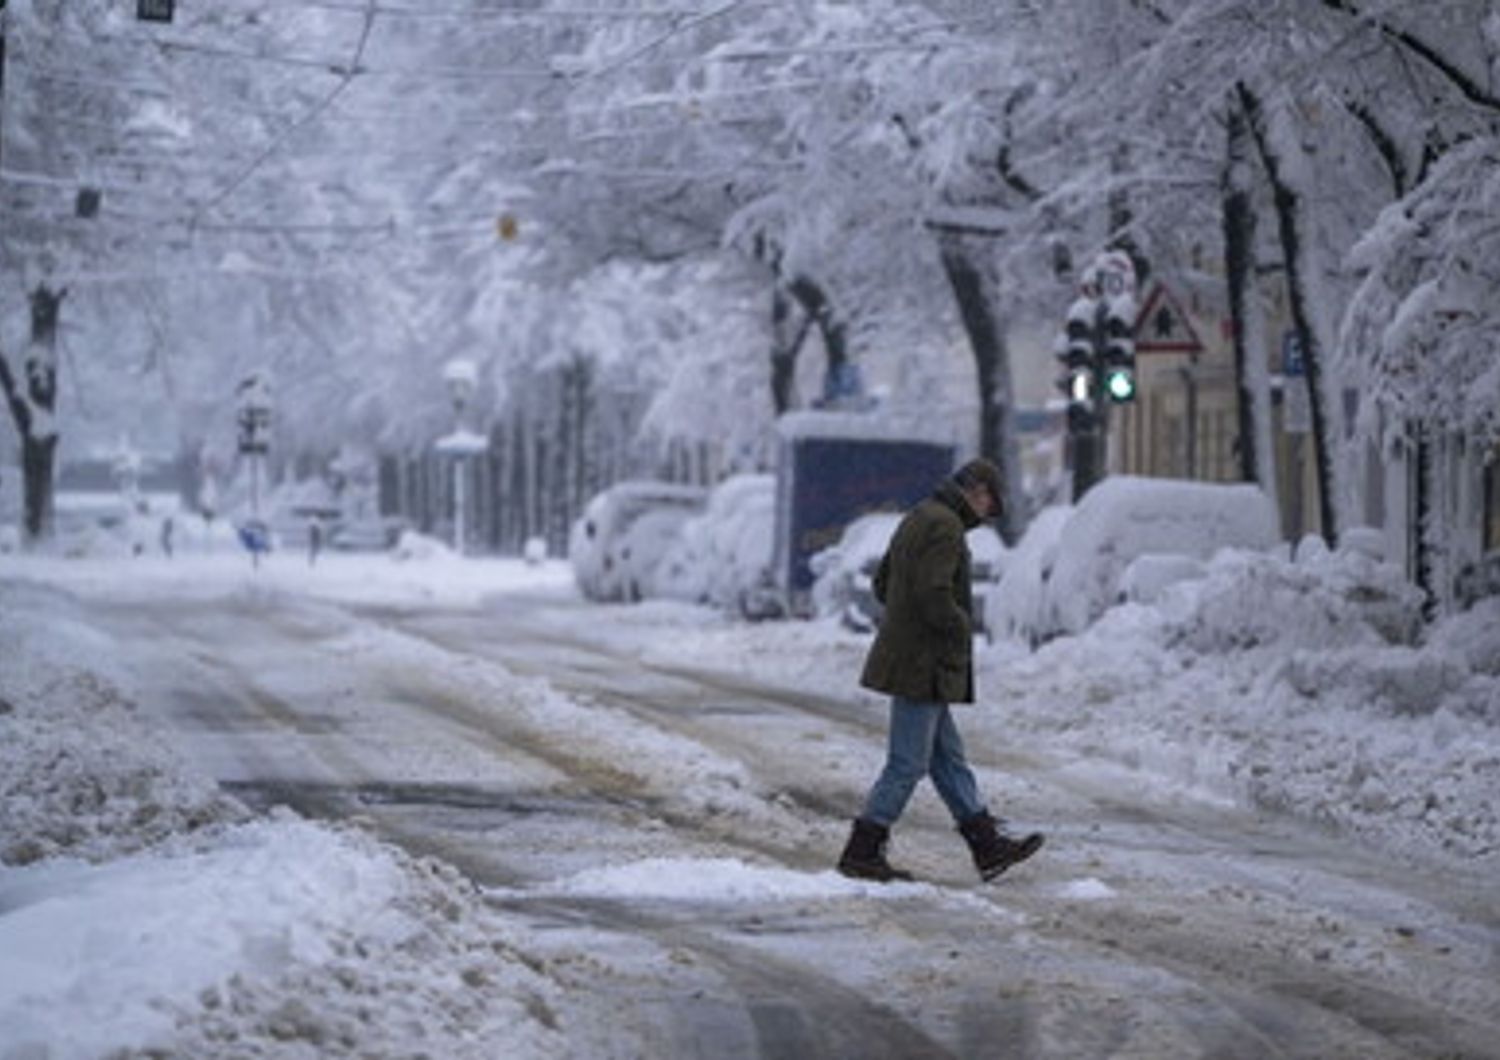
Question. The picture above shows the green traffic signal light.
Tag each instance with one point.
(1120, 385)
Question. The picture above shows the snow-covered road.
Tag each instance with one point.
(578, 779)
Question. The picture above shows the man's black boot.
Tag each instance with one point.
(995, 851)
(864, 854)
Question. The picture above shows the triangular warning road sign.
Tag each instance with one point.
(1162, 327)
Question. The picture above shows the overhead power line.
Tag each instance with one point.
(317, 109)
(486, 14)
(330, 64)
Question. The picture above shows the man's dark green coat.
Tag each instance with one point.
(924, 648)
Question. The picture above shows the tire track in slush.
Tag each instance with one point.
(1237, 997)
(1252, 986)
(791, 1010)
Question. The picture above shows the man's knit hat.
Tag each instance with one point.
(980, 472)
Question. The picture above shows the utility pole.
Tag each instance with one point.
(1096, 349)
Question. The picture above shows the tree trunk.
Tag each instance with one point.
(1257, 464)
(536, 446)
(575, 435)
(32, 400)
(494, 489)
(587, 430)
(785, 342)
(815, 302)
(1423, 546)
(38, 464)
(974, 289)
(518, 496)
(1289, 222)
(557, 488)
(787, 335)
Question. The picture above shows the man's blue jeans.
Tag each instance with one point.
(923, 742)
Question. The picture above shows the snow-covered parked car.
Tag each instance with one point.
(842, 573)
(296, 508)
(617, 546)
(1017, 608)
(722, 557)
(845, 572)
(376, 533)
(1071, 567)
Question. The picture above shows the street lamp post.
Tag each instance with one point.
(461, 377)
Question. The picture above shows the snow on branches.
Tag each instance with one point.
(1422, 324)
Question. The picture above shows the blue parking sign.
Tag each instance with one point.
(1291, 354)
(255, 536)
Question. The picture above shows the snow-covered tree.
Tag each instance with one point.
(45, 223)
(1341, 105)
(348, 196)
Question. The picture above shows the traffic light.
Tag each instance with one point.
(1117, 359)
(1075, 351)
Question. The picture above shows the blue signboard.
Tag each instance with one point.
(1291, 354)
(826, 483)
(255, 536)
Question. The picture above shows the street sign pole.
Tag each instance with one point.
(254, 419)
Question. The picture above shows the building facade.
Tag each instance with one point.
(1434, 497)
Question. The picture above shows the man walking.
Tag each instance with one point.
(923, 658)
